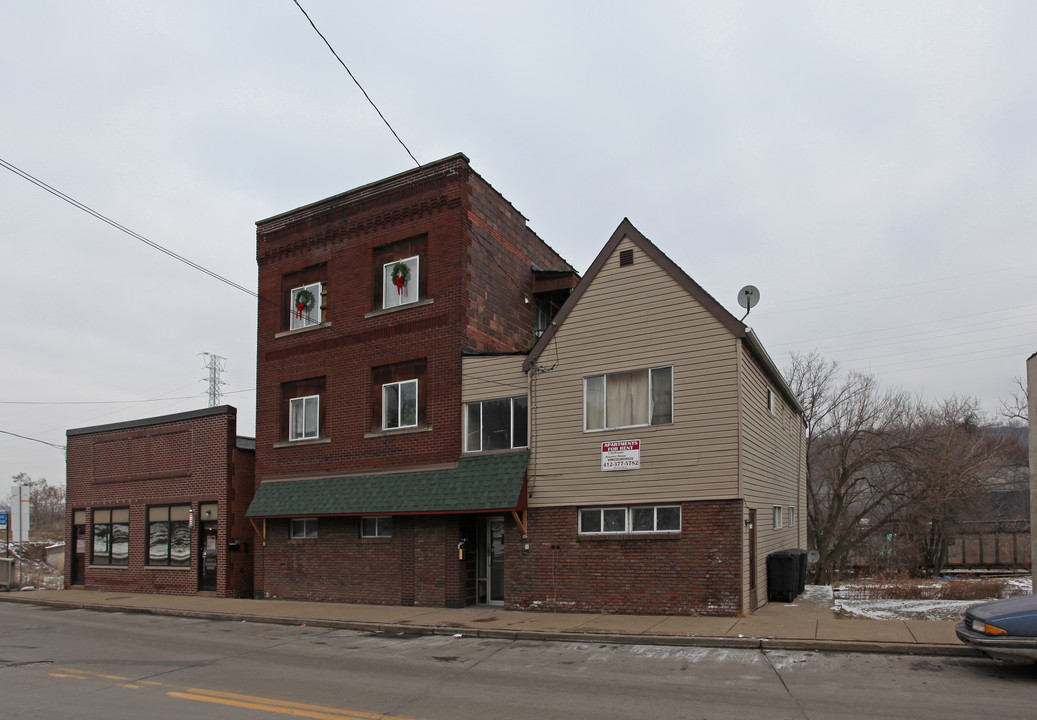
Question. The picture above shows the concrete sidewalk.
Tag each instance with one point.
(803, 625)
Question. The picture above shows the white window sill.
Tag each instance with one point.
(398, 431)
(308, 328)
(295, 443)
(386, 311)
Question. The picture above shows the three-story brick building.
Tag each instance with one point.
(364, 493)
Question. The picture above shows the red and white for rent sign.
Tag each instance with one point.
(621, 455)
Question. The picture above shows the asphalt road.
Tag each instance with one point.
(80, 664)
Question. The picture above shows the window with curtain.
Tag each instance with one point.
(628, 399)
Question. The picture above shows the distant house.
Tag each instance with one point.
(158, 505)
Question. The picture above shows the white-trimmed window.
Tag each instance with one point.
(400, 282)
(628, 399)
(400, 405)
(771, 403)
(305, 306)
(376, 527)
(304, 529)
(496, 424)
(777, 517)
(792, 516)
(633, 520)
(304, 418)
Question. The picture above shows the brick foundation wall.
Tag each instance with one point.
(417, 566)
(697, 572)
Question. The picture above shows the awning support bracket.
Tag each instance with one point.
(520, 520)
(260, 533)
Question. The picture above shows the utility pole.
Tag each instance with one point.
(215, 365)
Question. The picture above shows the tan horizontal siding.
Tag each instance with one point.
(489, 377)
(633, 318)
(772, 469)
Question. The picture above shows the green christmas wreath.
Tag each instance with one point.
(304, 301)
(400, 276)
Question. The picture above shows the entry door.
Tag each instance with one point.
(491, 561)
(753, 599)
(208, 556)
(78, 547)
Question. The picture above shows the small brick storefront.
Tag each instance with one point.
(158, 505)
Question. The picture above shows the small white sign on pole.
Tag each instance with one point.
(621, 455)
(19, 520)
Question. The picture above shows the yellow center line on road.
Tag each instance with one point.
(283, 707)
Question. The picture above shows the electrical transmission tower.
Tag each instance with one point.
(215, 365)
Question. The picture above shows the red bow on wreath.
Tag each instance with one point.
(303, 302)
(400, 274)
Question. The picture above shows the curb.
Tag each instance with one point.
(702, 641)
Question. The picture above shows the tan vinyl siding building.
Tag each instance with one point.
(732, 443)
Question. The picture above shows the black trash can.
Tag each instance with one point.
(801, 581)
(782, 575)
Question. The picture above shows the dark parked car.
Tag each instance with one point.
(1003, 629)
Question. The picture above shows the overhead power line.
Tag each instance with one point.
(122, 228)
(115, 402)
(357, 82)
(25, 437)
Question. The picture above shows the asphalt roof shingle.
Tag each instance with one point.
(478, 483)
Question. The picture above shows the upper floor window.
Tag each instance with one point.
(496, 424)
(400, 282)
(400, 404)
(628, 399)
(111, 541)
(305, 306)
(302, 409)
(304, 294)
(304, 417)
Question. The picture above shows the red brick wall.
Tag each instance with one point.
(417, 566)
(185, 461)
(477, 254)
(697, 572)
(501, 251)
(479, 257)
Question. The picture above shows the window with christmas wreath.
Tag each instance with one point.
(400, 282)
(305, 306)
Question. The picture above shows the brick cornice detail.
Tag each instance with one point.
(341, 232)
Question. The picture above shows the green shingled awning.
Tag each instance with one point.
(480, 483)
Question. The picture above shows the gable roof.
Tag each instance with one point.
(481, 483)
(736, 327)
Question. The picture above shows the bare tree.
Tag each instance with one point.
(1015, 410)
(858, 439)
(46, 502)
(955, 462)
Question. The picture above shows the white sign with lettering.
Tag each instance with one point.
(621, 455)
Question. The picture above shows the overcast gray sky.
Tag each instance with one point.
(870, 167)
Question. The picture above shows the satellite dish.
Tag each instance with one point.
(813, 556)
(747, 298)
